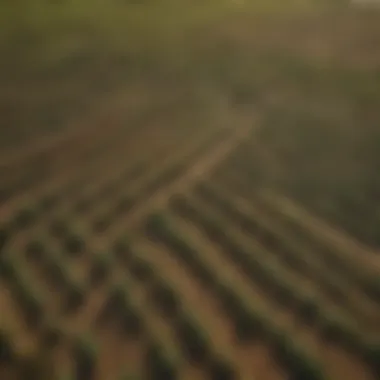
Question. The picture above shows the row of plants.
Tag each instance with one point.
(110, 188)
(33, 211)
(30, 213)
(17, 365)
(136, 195)
(285, 250)
(57, 271)
(27, 297)
(169, 172)
(334, 258)
(180, 165)
(247, 321)
(261, 270)
(293, 257)
(121, 310)
(76, 179)
(195, 342)
(119, 201)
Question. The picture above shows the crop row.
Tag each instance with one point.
(60, 190)
(273, 279)
(96, 147)
(28, 299)
(249, 322)
(299, 259)
(334, 258)
(194, 340)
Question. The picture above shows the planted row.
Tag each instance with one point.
(196, 344)
(287, 252)
(58, 273)
(157, 227)
(23, 291)
(249, 323)
(120, 309)
(269, 276)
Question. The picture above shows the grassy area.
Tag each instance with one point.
(308, 68)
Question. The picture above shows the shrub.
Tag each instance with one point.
(114, 305)
(221, 369)
(336, 329)
(100, 268)
(59, 228)
(285, 295)
(35, 250)
(107, 191)
(372, 356)
(155, 224)
(129, 376)
(193, 339)
(141, 269)
(4, 237)
(25, 217)
(229, 300)
(48, 202)
(165, 298)
(124, 204)
(132, 323)
(7, 354)
(74, 244)
(122, 249)
(159, 366)
(36, 367)
(248, 324)
(102, 223)
(309, 310)
(85, 357)
(8, 269)
(372, 288)
(204, 273)
(83, 205)
(52, 336)
(75, 297)
(31, 304)
(294, 360)
(57, 272)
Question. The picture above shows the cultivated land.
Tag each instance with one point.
(163, 224)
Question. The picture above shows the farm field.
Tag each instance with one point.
(169, 230)
(154, 256)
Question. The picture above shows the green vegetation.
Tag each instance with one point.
(74, 244)
(85, 356)
(4, 237)
(165, 297)
(100, 268)
(309, 80)
(76, 296)
(159, 363)
(221, 369)
(196, 343)
(141, 269)
(6, 348)
(59, 227)
(25, 217)
(294, 359)
(36, 250)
